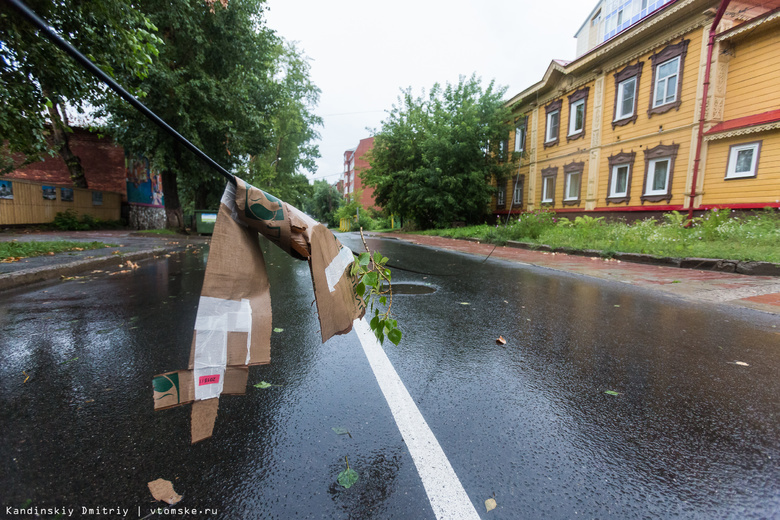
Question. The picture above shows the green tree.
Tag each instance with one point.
(324, 203)
(435, 156)
(293, 129)
(37, 79)
(214, 83)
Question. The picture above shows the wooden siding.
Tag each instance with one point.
(29, 207)
(741, 85)
(764, 188)
(753, 82)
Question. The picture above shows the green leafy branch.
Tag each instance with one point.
(374, 286)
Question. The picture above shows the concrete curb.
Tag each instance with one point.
(704, 264)
(50, 272)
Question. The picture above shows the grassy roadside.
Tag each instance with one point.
(719, 234)
(12, 250)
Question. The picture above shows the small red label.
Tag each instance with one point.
(208, 380)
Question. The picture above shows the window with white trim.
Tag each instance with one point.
(548, 184)
(658, 176)
(501, 196)
(577, 117)
(553, 122)
(743, 160)
(517, 193)
(666, 77)
(626, 96)
(548, 189)
(520, 134)
(619, 185)
(572, 189)
(659, 171)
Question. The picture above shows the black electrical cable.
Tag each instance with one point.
(53, 37)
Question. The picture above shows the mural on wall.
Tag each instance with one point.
(49, 192)
(6, 190)
(66, 194)
(144, 186)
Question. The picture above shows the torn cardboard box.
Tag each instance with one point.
(233, 322)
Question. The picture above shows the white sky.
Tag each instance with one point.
(363, 53)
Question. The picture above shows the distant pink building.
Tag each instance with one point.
(355, 161)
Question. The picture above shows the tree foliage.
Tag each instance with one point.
(293, 127)
(435, 155)
(212, 83)
(324, 203)
(36, 78)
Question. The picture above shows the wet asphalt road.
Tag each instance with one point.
(691, 433)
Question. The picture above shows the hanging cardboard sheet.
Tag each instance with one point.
(233, 322)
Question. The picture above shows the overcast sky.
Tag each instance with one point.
(363, 53)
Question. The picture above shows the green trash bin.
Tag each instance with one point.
(204, 221)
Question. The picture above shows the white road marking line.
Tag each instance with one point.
(445, 492)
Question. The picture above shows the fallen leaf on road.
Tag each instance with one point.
(341, 431)
(612, 392)
(741, 363)
(347, 477)
(163, 490)
(264, 384)
(26, 378)
(277, 329)
(131, 265)
(490, 504)
(465, 303)
(500, 340)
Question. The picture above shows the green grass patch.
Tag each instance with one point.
(719, 234)
(13, 249)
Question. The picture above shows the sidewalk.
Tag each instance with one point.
(126, 245)
(756, 292)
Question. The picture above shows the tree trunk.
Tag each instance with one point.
(60, 136)
(201, 196)
(174, 219)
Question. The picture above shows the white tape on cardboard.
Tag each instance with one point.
(335, 269)
(216, 317)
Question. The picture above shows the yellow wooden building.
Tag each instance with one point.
(678, 111)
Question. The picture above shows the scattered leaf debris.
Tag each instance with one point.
(490, 503)
(612, 392)
(500, 340)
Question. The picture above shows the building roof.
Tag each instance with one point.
(772, 116)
